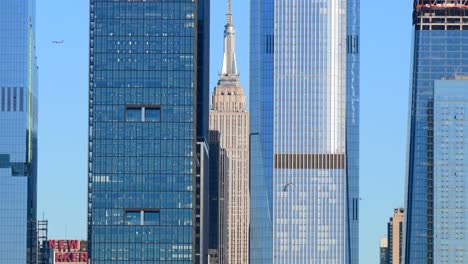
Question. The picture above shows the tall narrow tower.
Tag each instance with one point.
(18, 132)
(230, 118)
(304, 106)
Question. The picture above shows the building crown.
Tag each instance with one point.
(229, 58)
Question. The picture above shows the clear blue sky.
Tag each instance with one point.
(63, 84)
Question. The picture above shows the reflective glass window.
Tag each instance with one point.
(133, 218)
(151, 218)
(134, 114)
(153, 114)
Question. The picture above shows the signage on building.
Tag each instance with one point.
(69, 251)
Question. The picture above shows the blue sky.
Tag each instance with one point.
(63, 84)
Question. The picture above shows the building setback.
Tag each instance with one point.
(230, 119)
(304, 106)
(148, 118)
(435, 200)
(18, 131)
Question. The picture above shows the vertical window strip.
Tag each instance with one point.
(269, 44)
(348, 45)
(15, 98)
(352, 43)
(21, 99)
(3, 99)
(9, 99)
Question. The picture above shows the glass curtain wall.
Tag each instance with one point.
(439, 52)
(148, 63)
(305, 131)
(18, 131)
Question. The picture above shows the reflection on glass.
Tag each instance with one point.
(153, 114)
(151, 218)
(134, 114)
(133, 218)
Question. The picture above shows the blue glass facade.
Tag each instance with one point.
(148, 64)
(305, 131)
(353, 95)
(439, 51)
(450, 184)
(261, 129)
(18, 131)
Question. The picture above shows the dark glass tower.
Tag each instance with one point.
(18, 131)
(304, 103)
(148, 108)
(435, 164)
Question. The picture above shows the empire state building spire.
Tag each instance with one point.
(229, 59)
(229, 13)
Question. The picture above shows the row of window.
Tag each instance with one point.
(141, 217)
(12, 99)
(143, 113)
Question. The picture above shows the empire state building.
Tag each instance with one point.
(230, 118)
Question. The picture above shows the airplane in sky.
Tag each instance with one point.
(58, 41)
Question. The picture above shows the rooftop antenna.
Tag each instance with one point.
(229, 12)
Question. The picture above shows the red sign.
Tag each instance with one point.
(68, 251)
(71, 257)
(64, 244)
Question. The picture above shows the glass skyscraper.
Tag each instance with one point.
(436, 201)
(148, 125)
(304, 102)
(18, 131)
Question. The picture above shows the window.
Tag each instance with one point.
(133, 217)
(152, 114)
(143, 113)
(4, 160)
(19, 169)
(134, 114)
(15, 97)
(151, 218)
(3, 99)
(142, 216)
(21, 99)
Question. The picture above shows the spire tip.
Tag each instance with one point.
(229, 12)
